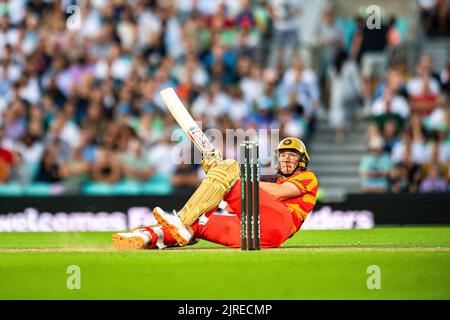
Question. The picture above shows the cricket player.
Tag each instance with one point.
(284, 205)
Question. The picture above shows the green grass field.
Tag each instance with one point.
(414, 264)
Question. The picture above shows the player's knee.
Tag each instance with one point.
(274, 238)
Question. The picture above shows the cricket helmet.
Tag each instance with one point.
(297, 146)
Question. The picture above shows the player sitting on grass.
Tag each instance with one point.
(284, 205)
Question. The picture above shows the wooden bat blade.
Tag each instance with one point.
(185, 120)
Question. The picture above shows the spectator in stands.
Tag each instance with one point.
(427, 62)
(192, 77)
(390, 107)
(94, 118)
(443, 18)
(301, 82)
(213, 103)
(239, 108)
(158, 153)
(49, 170)
(346, 88)
(222, 55)
(263, 14)
(185, 179)
(437, 153)
(410, 153)
(6, 159)
(127, 29)
(428, 14)
(243, 68)
(14, 121)
(263, 118)
(107, 168)
(399, 179)
(96, 90)
(390, 135)
(370, 45)
(252, 86)
(423, 90)
(410, 146)
(88, 144)
(31, 149)
(445, 79)
(394, 39)
(433, 182)
(135, 163)
(374, 168)
(291, 124)
(286, 38)
(75, 171)
(394, 81)
(249, 37)
(58, 131)
(144, 129)
(328, 40)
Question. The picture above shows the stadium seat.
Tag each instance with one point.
(158, 185)
(42, 189)
(127, 187)
(97, 188)
(11, 189)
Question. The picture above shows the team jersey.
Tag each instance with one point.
(301, 206)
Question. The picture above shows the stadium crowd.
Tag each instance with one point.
(408, 140)
(435, 17)
(81, 106)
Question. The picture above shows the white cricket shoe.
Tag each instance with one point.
(173, 223)
(137, 239)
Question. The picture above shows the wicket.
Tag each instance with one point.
(250, 220)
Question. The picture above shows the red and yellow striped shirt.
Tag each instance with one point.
(301, 206)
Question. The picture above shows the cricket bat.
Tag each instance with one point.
(185, 120)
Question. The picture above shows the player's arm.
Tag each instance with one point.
(280, 191)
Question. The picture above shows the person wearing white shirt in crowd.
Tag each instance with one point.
(286, 31)
(8, 36)
(31, 149)
(417, 85)
(345, 88)
(158, 155)
(299, 66)
(439, 150)
(191, 72)
(253, 86)
(391, 103)
(408, 147)
(301, 82)
(91, 25)
(328, 39)
(239, 108)
(16, 10)
(212, 103)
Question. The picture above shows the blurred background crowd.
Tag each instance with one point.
(80, 110)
